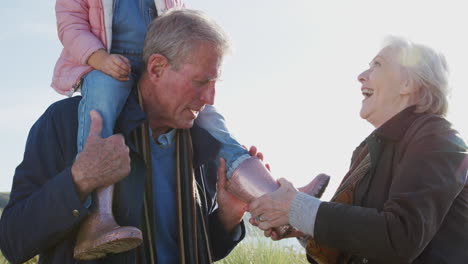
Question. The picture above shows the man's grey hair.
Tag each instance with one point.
(177, 32)
(428, 69)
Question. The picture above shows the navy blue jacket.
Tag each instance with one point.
(39, 217)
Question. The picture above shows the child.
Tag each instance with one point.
(106, 78)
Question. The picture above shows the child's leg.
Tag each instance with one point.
(105, 94)
(231, 150)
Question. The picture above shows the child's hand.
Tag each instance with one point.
(114, 65)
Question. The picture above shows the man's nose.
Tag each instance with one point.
(208, 93)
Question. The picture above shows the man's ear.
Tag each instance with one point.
(156, 66)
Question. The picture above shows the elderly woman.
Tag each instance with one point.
(405, 197)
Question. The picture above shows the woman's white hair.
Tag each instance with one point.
(428, 69)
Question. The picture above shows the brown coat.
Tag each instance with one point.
(412, 206)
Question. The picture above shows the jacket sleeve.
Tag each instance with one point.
(43, 206)
(427, 180)
(223, 243)
(74, 28)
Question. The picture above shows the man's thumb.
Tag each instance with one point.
(95, 129)
(222, 172)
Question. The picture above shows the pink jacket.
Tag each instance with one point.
(85, 26)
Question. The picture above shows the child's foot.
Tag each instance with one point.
(317, 186)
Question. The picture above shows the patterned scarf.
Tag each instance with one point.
(192, 236)
(345, 195)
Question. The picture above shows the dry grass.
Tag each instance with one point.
(256, 249)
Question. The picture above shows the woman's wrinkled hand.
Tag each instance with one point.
(272, 209)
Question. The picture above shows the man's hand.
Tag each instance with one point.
(103, 161)
(231, 209)
(253, 151)
(115, 65)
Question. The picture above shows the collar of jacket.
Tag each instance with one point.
(205, 147)
(395, 128)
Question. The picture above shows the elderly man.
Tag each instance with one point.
(51, 190)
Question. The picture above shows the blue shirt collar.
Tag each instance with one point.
(165, 140)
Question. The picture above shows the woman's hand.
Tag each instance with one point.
(272, 209)
(274, 236)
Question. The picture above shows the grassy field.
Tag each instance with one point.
(3, 200)
(254, 249)
(32, 261)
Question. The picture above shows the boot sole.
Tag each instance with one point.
(324, 180)
(117, 241)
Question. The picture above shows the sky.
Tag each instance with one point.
(288, 87)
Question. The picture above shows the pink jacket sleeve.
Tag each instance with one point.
(74, 29)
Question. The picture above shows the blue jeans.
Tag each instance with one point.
(231, 150)
(107, 95)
